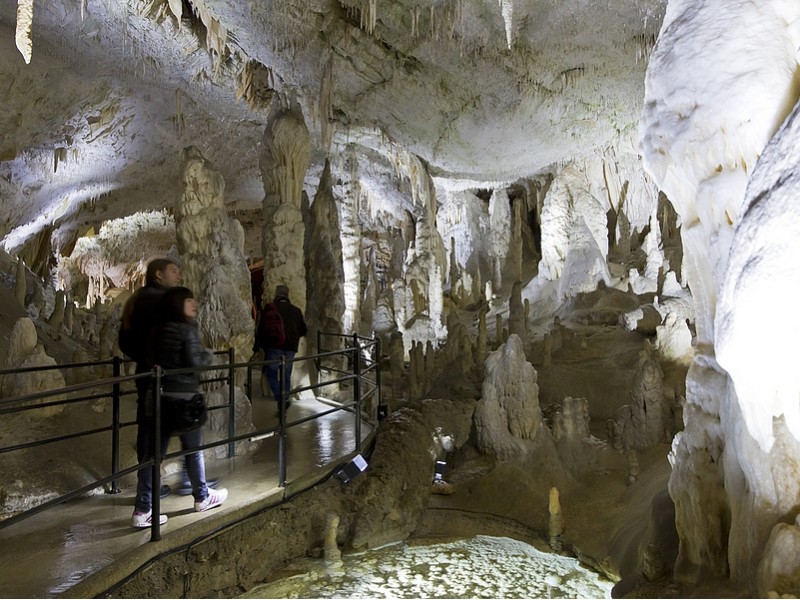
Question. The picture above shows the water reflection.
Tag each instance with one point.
(479, 567)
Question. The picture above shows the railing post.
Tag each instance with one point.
(231, 401)
(282, 424)
(357, 388)
(115, 418)
(248, 384)
(155, 479)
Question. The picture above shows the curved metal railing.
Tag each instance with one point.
(360, 354)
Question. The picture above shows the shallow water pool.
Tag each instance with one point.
(478, 567)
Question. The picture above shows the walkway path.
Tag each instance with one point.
(49, 553)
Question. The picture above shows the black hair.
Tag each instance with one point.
(155, 266)
(171, 304)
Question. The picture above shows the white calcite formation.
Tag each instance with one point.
(212, 260)
(702, 136)
(501, 126)
(507, 417)
(418, 299)
(284, 159)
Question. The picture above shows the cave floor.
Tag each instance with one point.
(49, 553)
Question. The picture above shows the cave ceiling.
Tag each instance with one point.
(481, 90)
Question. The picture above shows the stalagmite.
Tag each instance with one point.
(333, 556)
(547, 354)
(324, 272)
(20, 286)
(498, 329)
(508, 417)
(556, 525)
(69, 314)
(633, 465)
(56, 320)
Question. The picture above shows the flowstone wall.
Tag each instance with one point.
(701, 139)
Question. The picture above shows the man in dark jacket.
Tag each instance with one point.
(294, 327)
(139, 318)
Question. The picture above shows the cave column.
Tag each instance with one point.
(284, 161)
(213, 264)
(351, 251)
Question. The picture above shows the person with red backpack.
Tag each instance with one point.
(278, 332)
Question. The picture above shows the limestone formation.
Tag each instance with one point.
(507, 417)
(69, 314)
(396, 363)
(419, 303)
(516, 313)
(285, 155)
(481, 343)
(556, 525)
(333, 556)
(547, 351)
(20, 287)
(213, 265)
(641, 423)
(56, 320)
(25, 352)
(389, 500)
(350, 236)
(324, 272)
(578, 449)
(458, 352)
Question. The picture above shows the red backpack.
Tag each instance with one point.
(270, 328)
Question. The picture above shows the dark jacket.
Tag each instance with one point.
(177, 345)
(294, 325)
(139, 319)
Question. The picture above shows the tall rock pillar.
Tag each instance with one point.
(324, 272)
(284, 162)
(213, 264)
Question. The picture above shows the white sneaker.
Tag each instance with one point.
(214, 499)
(145, 519)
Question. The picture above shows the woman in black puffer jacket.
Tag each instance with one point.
(176, 345)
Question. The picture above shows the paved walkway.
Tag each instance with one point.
(64, 550)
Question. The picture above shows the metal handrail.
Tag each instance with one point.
(23, 403)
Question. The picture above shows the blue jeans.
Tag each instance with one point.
(195, 466)
(272, 372)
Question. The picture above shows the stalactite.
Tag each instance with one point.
(325, 105)
(25, 29)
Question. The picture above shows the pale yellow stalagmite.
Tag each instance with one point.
(24, 29)
(556, 526)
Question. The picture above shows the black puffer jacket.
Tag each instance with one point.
(177, 346)
(139, 319)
